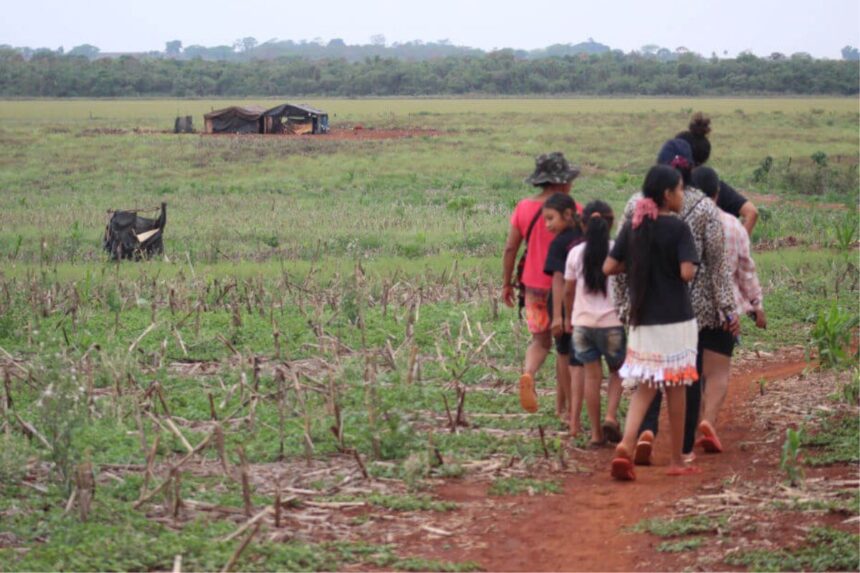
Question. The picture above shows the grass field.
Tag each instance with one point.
(312, 284)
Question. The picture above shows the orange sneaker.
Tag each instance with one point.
(528, 397)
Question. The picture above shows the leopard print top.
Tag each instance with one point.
(711, 289)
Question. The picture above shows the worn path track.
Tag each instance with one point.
(584, 529)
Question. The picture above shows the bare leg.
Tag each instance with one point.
(676, 398)
(577, 383)
(715, 369)
(593, 378)
(562, 389)
(639, 404)
(613, 397)
(537, 352)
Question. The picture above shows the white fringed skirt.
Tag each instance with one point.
(661, 355)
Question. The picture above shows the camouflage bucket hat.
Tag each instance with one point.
(552, 168)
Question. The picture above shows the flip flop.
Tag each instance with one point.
(642, 455)
(611, 431)
(685, 471)
(622, 469)
(709, 440)
(528, 398)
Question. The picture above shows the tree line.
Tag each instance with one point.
(49, 74)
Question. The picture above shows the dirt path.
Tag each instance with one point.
(583, 529)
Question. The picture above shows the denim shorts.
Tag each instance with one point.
(589, 344)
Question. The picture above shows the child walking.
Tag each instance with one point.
(597, 331)
(562, 219)
(553, 174)
(657, 251)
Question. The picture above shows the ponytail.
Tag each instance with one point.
(598, 220)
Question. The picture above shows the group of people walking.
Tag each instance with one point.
(660, 304)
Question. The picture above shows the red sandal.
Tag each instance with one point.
(684, 471)
(709, 440)
(622, 465)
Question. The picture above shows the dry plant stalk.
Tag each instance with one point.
(150, 463)
(302, 398)
(238, 553)
(85, 485)
(246, 483)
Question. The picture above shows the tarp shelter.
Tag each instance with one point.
(294, 118)
(235, 119)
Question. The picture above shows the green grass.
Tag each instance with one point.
(824, 549)
(264, 235)
(680, 526)
(834, 441)
(519, 486)
(680, 546)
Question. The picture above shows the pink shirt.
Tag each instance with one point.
(747, 290)
(538, 245)
(591, 309)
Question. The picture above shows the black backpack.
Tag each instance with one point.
(130, 236)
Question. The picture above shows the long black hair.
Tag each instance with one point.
(659, 179)
(598, 218)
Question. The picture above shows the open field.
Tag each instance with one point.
(322, 347)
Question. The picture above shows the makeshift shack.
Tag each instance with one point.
(297, 119)
(130, 236)
(234, 119)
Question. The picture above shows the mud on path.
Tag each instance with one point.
(584, 529)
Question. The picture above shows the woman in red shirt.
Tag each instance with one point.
(553, 174)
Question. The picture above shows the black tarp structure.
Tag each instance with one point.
(234, 119)
(130, 236)
(294, 118)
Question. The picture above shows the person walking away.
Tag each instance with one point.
(716, 360)
(553, 174)
(729, 200)
(710, 291)
(597, 331)
(560, 214)
(657, 251)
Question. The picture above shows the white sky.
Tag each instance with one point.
(820, 27)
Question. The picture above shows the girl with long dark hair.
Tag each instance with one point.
(657, 251)
(597, 331)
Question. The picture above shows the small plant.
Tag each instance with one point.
(763, 170)
(820, 158)
(846, 233)
(517, 486)
(826, 549)
(789, 461)
(680, 546)
(14, 452)
(831, 335)
(680, 526)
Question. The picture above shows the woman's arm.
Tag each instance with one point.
(569, 298)
(558, 322)
(612, 267)
(688, 271)
(509, 259)
(749, 215)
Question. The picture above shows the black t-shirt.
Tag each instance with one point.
(730, 200)
(556, 257)
(667, 299)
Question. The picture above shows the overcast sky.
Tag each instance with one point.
(820, 28)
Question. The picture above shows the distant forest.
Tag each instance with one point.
(288, 68)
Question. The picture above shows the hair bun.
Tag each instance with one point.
(700, 124)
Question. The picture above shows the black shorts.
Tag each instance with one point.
(717, 340)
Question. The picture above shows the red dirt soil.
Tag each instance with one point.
(583, 529)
